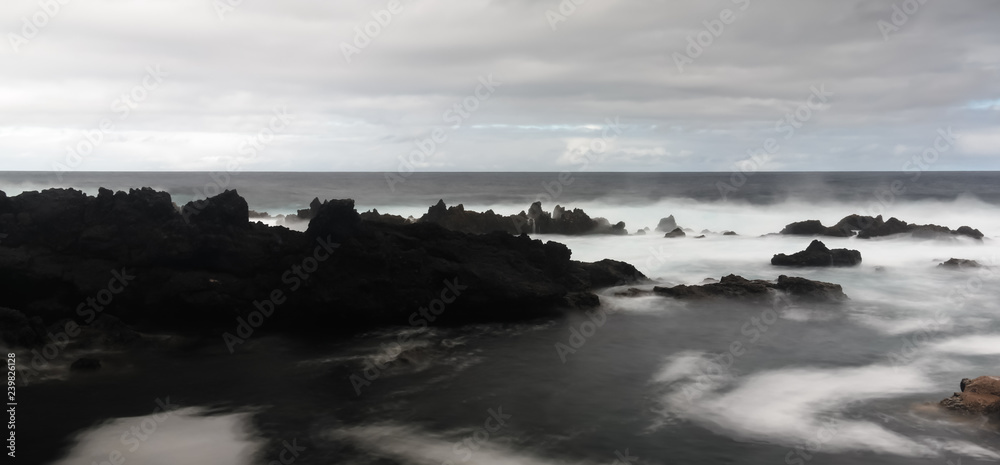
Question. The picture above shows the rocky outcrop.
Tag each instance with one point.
(667, 224)
(677, 232)
(756, 291)
(374, 216)
(456, 218)
(202, 269)
(980, 396)
(960, 264)
(806, 228)
(817, 254)
(867, 227)
(536, 221)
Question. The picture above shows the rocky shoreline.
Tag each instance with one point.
(98, 269)
(205, 267)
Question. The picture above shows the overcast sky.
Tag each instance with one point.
(208, 76)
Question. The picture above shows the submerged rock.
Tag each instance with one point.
(980, 396)
(817, 254)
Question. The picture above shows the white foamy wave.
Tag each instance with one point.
(683, 365)
(896, 325)
(641, 304)
(970, 345)
(800, 406)
(413, 445)
(803, 314)
(186, 435)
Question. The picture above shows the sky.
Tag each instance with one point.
(499, 85)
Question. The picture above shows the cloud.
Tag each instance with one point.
(986, 143)
(608, 59)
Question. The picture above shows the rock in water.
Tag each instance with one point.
(805, 228)
(980, 396)
(667, 224)
(960, 263)
(677, 232)
(757, 290)
(817, 254)
(868, 227)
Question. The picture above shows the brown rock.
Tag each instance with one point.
(980, 396)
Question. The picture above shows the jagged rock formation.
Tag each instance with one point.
(374, 216)
(201, 269)
(867, 227)
(535, 221)
(667, 224)
(817, 254)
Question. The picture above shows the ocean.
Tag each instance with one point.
(642, 380)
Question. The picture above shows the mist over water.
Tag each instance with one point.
(820, 384)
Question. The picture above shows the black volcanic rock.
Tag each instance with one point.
(809, 290)
(667, 224)
(536, 221)
(817, 254)
(968, 231)
(201, 271)
(805, 228)
(226, 210)
(756, 291)
(959, 264)
(376, 217)
(677, 232)
(867, 227)
(16, 329)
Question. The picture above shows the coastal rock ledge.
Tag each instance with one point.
(205, 266)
